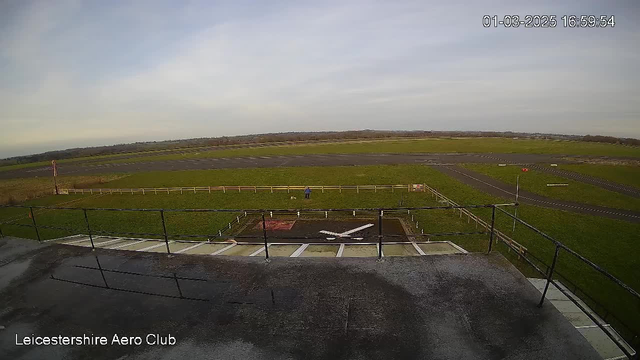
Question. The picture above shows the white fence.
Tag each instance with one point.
(511, 244)
(255, 189)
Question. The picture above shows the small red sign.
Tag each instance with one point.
(525, 169)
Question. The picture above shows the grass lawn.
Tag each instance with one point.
(610, 243)
(623, 174)
(431, 145)
(20, 190)
(536, 182)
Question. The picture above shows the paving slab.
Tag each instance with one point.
(242, 250)
(399, 250)
(207, 249)
(320, 251)
(282, 250)
(360, 251)
(439, 249)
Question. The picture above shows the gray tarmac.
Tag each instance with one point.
(471, 306)
(498, 188)
(282, 161)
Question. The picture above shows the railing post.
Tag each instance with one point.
(33, 219)
(164, 230)
(264, 235)
(86, 220)
(493, 222)
(550, 276)
(379, 234)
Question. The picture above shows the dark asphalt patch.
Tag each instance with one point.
(306, 230)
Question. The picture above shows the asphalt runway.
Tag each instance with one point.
(284, 161)
(495, 187)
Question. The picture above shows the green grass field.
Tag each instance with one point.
(610, 243)
(14, 191)
(623, 174)
(430, 145)
(455, 145)
(536, 182)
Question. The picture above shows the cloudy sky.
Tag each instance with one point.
(83, 73)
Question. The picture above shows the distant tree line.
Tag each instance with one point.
(293, 137)
(611, 140)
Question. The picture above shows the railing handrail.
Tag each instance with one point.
(577, 255)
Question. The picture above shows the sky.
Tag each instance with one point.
(89, 73)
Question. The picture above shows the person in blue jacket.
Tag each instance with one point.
(307, 193)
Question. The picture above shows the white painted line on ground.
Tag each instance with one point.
(66, 238)
(340, 251)
(259, 251)
(418, 249)
(223, 249)
(125, 245)
(457, 247)
(190, 247)
(76, 241)
(590, 326)
(155, 246)
(105, 242)
(300, 250)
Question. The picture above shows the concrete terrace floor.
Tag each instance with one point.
(472, 306)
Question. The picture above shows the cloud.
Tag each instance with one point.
(84, 73)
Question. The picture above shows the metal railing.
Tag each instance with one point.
(251, 188)
(512, 244)
(551, 270)
(379, 213)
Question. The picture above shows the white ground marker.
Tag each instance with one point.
(189, 248)
(340, 250)
(155, 246)
(418, 249)
(129, 244)
(77, 241)
(106, 242)
(300, 250)
(259, 251)
(223, 249)
(458, 247)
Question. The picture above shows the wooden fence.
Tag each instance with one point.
(255, 189)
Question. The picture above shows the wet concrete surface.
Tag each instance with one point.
(498, 188)
(474, 306)
(284, 161)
